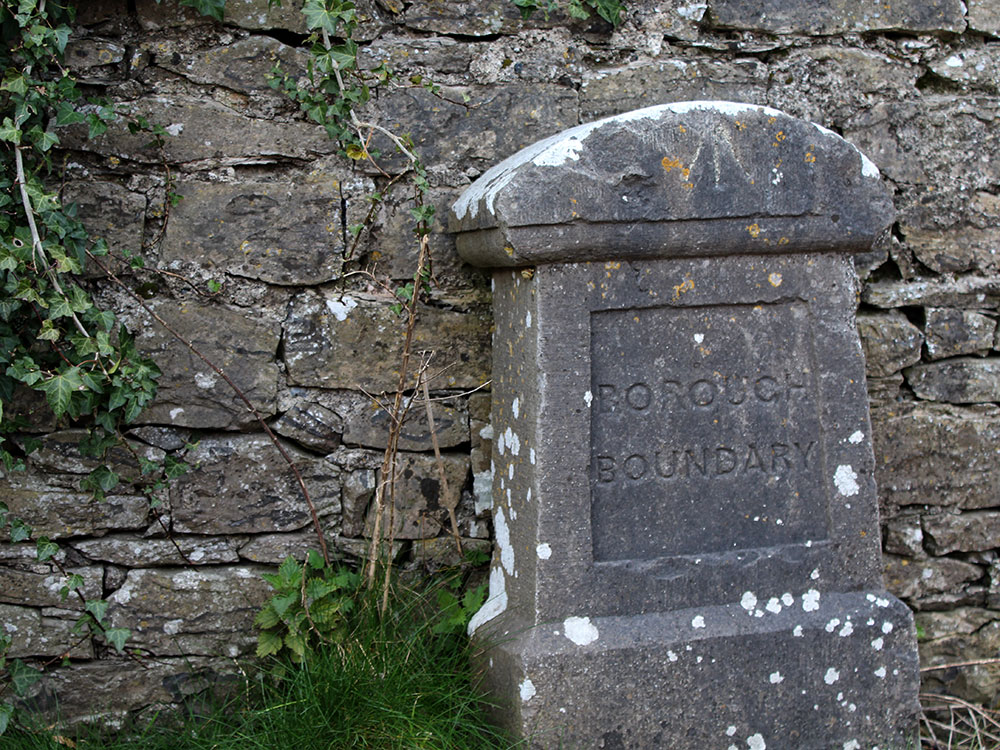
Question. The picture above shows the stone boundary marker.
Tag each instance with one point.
(688, 553)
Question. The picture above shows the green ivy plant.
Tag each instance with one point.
(609, 10)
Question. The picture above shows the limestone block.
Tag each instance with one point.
(443, 552)
(890, 342)
(368, 426)
(111, 688)
(641, 84)
(961, 532)
(965, 292)
(242, 66)
(190, 393)
(973, 68)
(884, 391)
(242, 485)
(911, 579)
(35, 584)
(959, 248)
(406, 54)
(274, 548)
(473, 18)
(420, 500)
(58, 512)
(359, 489)
(963, 380)
(204, 130)
(829, 83)
(84, 55)
(952, 332)
(109, 211)
(960, 635)
(344, 341)
(904, 536)
(311, 425)
(33, 634)
(501, 119)
(199, 611)
(278, 232)
(128, 551)
(984, 16)
(838, 16)
(929, 454)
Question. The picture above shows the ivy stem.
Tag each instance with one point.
(239, 392)
(37, 251)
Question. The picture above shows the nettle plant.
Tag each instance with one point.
(59, 347)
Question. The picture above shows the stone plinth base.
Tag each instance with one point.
(791, 673)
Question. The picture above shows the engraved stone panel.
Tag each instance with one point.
(702, 414)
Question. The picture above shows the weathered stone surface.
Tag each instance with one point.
(481, 433)
(190, 393)
(926, 142)
(33, 634)
(984, 16)
(959, 248)
(501, 120)
(904, 536)
(642, 84)
(890, 341)
(128, 551)
(98, 11)
(243, 486)
(557, 193)
(961, 532)
(345, 341)
(928, 454)
(838, 16)
(311, 425)
(977, 68)
(962, 635)
(356, 496)
(279, 232)
(111, 688)
(59, 453)
(911, 579)
(964, 292)
(111, 212)
(201, 611)
(368, 426)
(242, 66)
(37, 584)
(473, 18)
(884, 391)
(57, 512)
(204, 130)
(440, 54)
(963, 380)
(84, 55)
(828, 83)
(421, 502)
(953, 332)
(443, 552)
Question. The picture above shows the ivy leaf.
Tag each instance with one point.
(45, 549)
(318, 17)
(66, 114)
(6, 712)
(19, 531)
(117, 637)
(22, 676)
(10, 132)
(59, 390)
(98, 608)
(14, 82)
(74, 582)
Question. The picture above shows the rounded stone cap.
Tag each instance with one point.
(682, 179)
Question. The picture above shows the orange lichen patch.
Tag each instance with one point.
(810, 157)
(682, 128)
(685, 286)
(688, 185)
(754, 229)
(783, 241)
(509, 250)
(771, 120)
(669, 163)
(741, 125)
(774, 279)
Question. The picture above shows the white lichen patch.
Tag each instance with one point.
(787, 599)
(174, 413)
(502, 532)
(693, 11)
(773, 605)
(588, 398)
(699, 338)
(878, 643)
(205, 380)
(832, 625)
(580, 630)
(730, 730)
(797, 631)
(671, 656)
(845, 479)
(495, 605)
(756, 742)
(810, 600)
(559, 153)
(887, 627)
(880, 673)
(544, 551)
(698, 622)
(847, 629)
(748, 601)
(775, 678)
(856, 437)
(515, 407)
(831, 676)
(527, 690)
(342, 307)
(852, 745)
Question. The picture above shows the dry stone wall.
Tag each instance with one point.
(265, 210)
